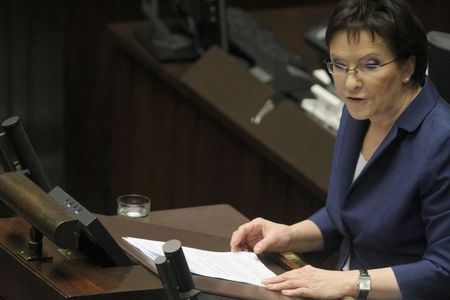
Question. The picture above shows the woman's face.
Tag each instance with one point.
(378, 94)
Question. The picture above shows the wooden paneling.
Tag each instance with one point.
(88, 106)
(144, 133)
(31, 76)
(434, 14)
(161, 143)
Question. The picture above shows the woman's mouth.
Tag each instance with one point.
(355, 98)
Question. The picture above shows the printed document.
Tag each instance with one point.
(235, 266)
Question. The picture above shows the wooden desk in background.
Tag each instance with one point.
(150, 133)
(206, 227)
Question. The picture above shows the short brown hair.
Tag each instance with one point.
(393, 20)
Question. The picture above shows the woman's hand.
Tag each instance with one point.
(315, 283)
(260, 235)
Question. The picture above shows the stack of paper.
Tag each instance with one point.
(235, 266)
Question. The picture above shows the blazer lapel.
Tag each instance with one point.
(346, 156)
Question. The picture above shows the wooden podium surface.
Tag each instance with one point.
(206, 227)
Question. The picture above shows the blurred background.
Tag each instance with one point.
(51, 54)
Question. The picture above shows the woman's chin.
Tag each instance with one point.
(358, 114)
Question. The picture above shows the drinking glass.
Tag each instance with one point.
(133, 205)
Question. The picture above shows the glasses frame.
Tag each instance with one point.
(356, 70)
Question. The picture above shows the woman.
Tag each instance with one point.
(388, 206)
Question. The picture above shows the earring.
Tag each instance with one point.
(405, 80)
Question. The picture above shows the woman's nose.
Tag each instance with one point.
(353, 81)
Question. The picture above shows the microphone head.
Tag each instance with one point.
(25, 152)
(10, 122)
(174, 253)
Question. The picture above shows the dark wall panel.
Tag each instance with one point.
(31, 75)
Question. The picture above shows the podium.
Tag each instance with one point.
(63, 278)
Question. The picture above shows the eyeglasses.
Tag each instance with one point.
(368, 68)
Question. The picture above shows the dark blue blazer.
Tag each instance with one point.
(397, 211)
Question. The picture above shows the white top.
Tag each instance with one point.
(359, 167)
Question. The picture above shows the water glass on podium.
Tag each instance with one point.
(133, 205)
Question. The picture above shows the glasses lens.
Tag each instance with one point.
(329, 67)
(339, 68)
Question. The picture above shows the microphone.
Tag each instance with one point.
(5, 155)
(25, 152)
(174, 272)
(174, 253)
(176, 277)
(167, 277)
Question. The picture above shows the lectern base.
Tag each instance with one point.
(61, 278)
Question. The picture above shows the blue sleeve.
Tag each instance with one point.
(331, 237)
(429, 278)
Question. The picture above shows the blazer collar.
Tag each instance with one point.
(413, 116)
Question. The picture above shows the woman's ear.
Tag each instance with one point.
(408, 69)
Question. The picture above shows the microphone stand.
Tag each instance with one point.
(174, 272)
(18, 138)
(175, 275)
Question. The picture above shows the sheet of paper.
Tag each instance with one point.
(235, 266)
